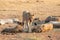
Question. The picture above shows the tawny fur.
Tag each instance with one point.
(46, 27)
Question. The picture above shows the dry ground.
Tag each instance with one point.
(52, 35)
(40, 8)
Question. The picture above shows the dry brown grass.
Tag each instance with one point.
(42, 8)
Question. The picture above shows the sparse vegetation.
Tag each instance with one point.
(58, 4)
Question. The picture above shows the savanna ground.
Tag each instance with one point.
(52, 35)
(40, 8)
